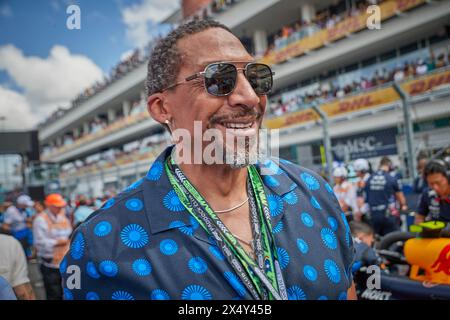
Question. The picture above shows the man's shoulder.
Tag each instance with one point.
(113, 209)
(278, 165)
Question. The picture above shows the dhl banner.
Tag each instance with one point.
(362, 101)
(349, 25)
(427, 83)
(297, 117)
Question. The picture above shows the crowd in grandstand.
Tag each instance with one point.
(324, 19)
(354, 82)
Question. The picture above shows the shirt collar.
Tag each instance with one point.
(165, 210)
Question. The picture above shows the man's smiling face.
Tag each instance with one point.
(239, 113)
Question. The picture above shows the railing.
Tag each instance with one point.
(114, 127)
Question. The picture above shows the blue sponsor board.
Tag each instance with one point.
(365, 145)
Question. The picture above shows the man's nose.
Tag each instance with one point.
(243, 93)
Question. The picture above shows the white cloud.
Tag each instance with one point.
(15, 107)
(139, 17)
(50, 82)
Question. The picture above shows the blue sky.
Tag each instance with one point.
(45, 64)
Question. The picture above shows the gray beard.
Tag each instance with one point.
(241, 158)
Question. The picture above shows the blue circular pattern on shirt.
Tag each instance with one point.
(102, 229)
(333, 223)
(322, 298)
(270, 181)
(216, 252)
(134, 236)
(296, 293)
(108, 204)
(194, 222)
(142, 267)
(172, 202)
(342, 296)
(91, 270)
(134, 186)
(332, 271)
(310, 273)
(283, 257)
(328, 188)
(275, 204)
(291, 197)
(77, 247)
(67, 294)
(307, 219)
(315, 203)
(159, 294)
(63, 266)
(197, 265)
(168, 247)
(195, 292)
(273, 167)
(278, 227)
(92, 296)
(121, 295)
(328, 238)
(108, 268)
(235, 282)
(155, 171)
(134, 204)
(311, 182)
(302, 245)
(188, 230)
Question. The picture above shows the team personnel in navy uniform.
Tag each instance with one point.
(435, 200)
(381, 191)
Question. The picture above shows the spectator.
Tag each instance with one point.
(13, 268)
(16, 221)
(52, 230)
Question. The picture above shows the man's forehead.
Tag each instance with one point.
(213, 45)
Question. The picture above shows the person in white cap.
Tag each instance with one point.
(345, 191)
(17, 222)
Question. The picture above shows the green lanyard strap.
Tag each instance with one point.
(267, 284)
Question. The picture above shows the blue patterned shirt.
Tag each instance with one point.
(143, 244)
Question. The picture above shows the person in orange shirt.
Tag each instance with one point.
(51, 231)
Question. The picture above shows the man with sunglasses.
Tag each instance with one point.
(223, 229)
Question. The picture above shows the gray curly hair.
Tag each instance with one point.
(165, 60)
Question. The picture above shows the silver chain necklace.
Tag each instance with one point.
(232, 208)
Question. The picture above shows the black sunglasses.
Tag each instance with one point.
(220, 78)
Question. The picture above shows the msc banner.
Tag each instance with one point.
(349, 25)
(365, 145)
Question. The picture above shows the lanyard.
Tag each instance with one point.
(260, 284)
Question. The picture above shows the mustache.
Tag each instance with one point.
(247, 113)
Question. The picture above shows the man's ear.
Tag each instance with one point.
(158, 108)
